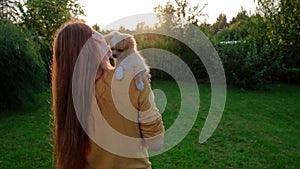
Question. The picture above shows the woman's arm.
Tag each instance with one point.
(151, 124)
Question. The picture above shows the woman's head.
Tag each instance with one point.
(69, 42)
(74, 46)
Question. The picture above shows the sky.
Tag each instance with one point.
(108, 14)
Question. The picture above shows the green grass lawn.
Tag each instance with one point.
(25, 141)
(259, 129)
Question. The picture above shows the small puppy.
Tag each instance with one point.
(126, 56)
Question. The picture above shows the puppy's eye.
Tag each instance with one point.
(120, 50)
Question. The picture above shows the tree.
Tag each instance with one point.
(240, 17)
(220, 24)
(281, 18)
(122, 29)
(8, 11)
(22, 69)
(140, 27)
(96, 27)
(206, 28)
(236, 30)
(45, 17)
(179, 14)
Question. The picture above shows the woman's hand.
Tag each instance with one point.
(156, 146)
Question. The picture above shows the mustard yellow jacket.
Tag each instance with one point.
(131, 114)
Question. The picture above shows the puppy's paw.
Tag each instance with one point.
(148, 76)
(119, 74)
(140, 85)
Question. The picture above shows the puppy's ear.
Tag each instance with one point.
(129, 43)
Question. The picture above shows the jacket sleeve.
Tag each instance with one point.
(151, 124)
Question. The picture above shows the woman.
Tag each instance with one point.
(80, 72)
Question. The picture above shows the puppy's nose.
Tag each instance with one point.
(114, 56)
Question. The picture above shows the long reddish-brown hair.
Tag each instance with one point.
(71, 143)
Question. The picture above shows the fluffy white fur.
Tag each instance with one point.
(127, 57)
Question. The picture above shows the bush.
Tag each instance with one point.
(183, 52)
(248, 65)
(22, 68)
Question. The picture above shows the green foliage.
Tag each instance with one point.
(21, 66)
(146, 41)
(43, 18)
(179, 13)
(220, 24)
(96, 27)
(237, 30)
(8, 11)
(282, 24)
(250, 63)
(246, 64)
(253, 61)
(47, 16)
(268, 41)
(206, 29)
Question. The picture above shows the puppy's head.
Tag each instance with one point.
(121, 44)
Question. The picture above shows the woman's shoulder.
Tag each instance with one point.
(109, 77)
(126, 73)
(106, 76)
(109, 72)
